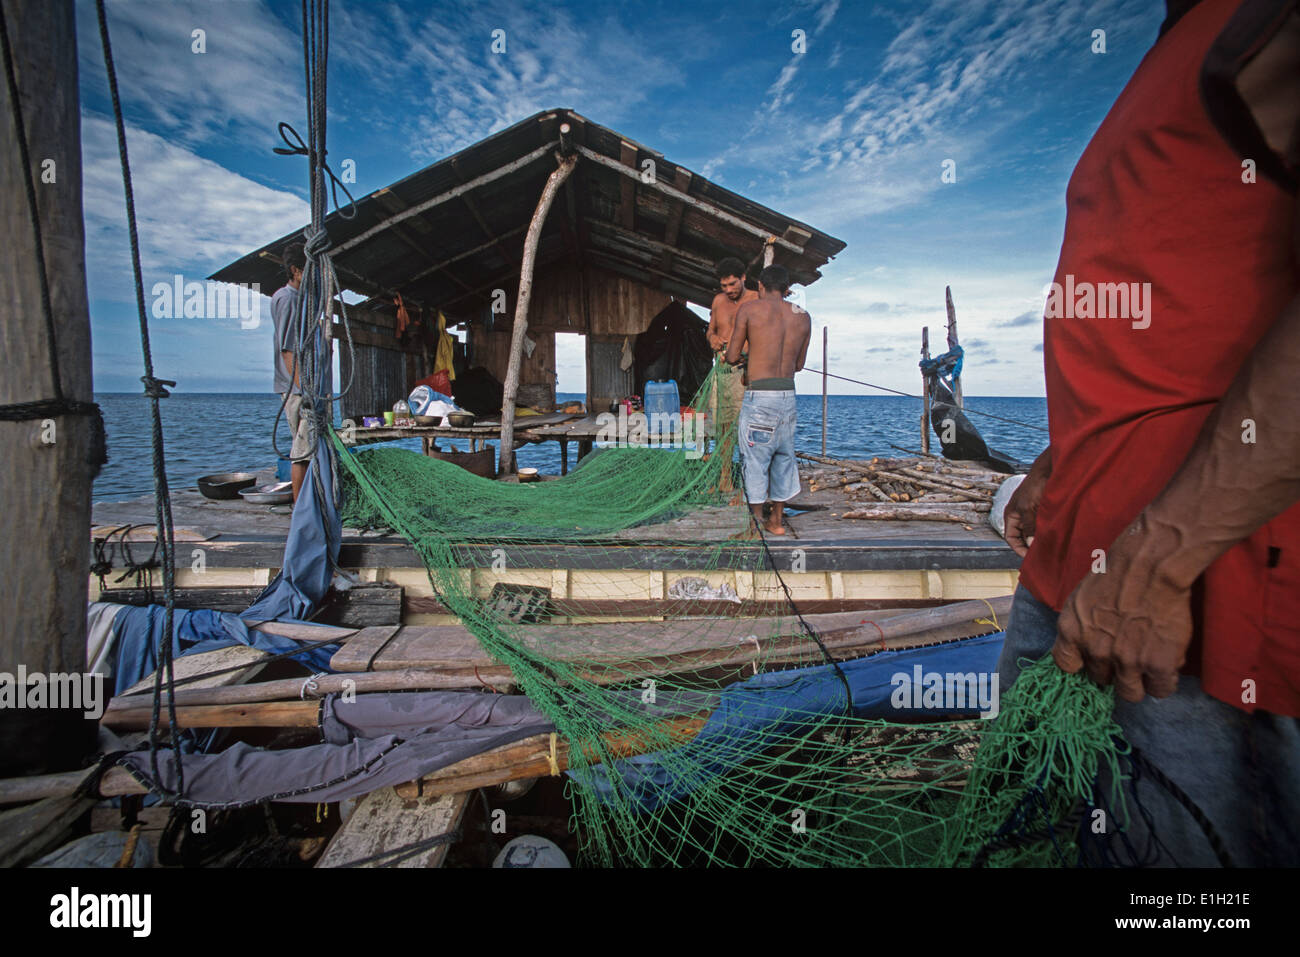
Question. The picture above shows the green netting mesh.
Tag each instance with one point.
(802, 784)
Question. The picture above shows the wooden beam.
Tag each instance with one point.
(45, 477)
(439, 266)
(263, 714)
(474, 211)
(394, 205)
(627, 188)
(706, 208)
(511, 385)
(449, 195)
(673, 225)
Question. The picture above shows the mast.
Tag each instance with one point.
(45, 454)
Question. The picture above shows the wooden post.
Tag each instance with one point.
(44, 463)
(952, 342)
(769, 251)
(824, 333)
(511, 390)
(925, 392)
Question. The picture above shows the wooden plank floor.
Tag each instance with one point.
(226, 521)
(383, 822)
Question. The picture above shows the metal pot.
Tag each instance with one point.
(280, 493)
(226, 485)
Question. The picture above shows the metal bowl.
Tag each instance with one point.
(461, 420)
(226, 485)
(278, 493)
(434, 420)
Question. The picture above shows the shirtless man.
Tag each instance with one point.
(729, 383)
(777, 335)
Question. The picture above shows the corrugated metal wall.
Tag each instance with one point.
(378, 382)
(606, 382)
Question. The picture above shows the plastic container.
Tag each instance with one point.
(282, 470)
(661, 398)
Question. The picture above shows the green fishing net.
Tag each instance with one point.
(708, 723)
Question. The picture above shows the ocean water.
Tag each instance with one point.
(230, 432)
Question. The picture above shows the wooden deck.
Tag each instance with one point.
(227, 551)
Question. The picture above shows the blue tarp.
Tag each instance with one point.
(139, 633)
(310, 555)
(311, 551)
(754, 715)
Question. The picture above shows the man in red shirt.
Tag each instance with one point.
(1163, 521)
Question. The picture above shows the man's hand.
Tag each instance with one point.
(1021, 513)
(1129, 624)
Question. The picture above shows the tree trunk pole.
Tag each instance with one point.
(511, 390)
(953, 342)
(824, 334)
(925, 393)
(45, 470)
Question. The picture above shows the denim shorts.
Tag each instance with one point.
(1241, 770)
(766, 440)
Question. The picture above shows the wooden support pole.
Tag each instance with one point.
(824, 335)
(45, 470)
(534, 235)
(953, 342)
(925, 393)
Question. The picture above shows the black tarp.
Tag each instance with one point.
(968, 444)
(477, 390)
(673, 346)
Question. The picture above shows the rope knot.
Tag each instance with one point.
(316, 243)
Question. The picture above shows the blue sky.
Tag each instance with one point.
(850, 136)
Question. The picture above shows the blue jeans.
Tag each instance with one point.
(766, 430)
(1242, 770)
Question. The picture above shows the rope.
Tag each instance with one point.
(1178, 794)
(155, 389)
(320, 285)
(910, 395)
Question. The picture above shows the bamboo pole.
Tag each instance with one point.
(553, 183)
(45, 472)
(925, 393)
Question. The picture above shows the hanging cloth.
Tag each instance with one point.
(442, 361)
(403, 317)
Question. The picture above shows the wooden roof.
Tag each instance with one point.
(448, 235)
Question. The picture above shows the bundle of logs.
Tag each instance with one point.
(914, 488)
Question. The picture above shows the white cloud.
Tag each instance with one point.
(595, 65)
(249, 78)
(193, 214)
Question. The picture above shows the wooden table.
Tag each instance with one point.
(550, 427)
